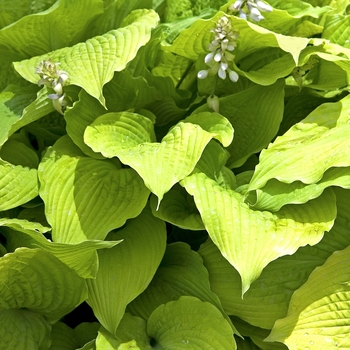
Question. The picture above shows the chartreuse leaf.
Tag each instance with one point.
(318, 314)
(296, 155)
(62, 337)
(276, 194)
(190, 323)
(260, 237)
(81, 257)
(336, 29)
(163, 164)
(23, 329)
(36, 280)
(32, 34)
(131, 334)
(180, 273)
(91, 64)
(86, 198)
(268, 297)
(255, 124)
(295, 18)
(126, 270)
(18, 185)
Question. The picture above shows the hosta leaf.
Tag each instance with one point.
(296, 155)
(296, 18)
(13, 10)
(81, 257)
(268, 297)
(260, 237)
(276, 194)
(62, 337)
(160, 165)
(85, 332)
(36, 280)
(23, 329)
(114, 14)
(255, 124)
(86, 198)
(82, 114)
(337, 29)
(18, 153)
(18, 185)
(126, 270)
(32, 34)
(178, 208)
(180, 273)
(131, 334)
(257, 336)
(318, 313)
(12, 102)
(190, 323)
(91, 64)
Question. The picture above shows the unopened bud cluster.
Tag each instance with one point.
(220, 55)
(251, 9)
(55, 79)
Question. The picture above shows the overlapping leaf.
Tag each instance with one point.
(32, 34)
(318, 313)
(126, 270)
(15, 333)
(160, 165)
(131, 334)
(18, 185)
(180, 273)
(92, 64)
(244, 235)
(256, 123)
(86, 198)
(81, 257)
(268, 297)
(190, 323)
(295, 158)
(36, 280)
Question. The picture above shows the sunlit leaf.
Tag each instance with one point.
(86, 198)
(260, 236)
(268, 297)
(318, 313)
(91, 64)
(297, 155)
(163, 164)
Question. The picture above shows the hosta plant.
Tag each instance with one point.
(174, 174)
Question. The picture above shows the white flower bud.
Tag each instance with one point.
(202, 74)
(213, 103)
